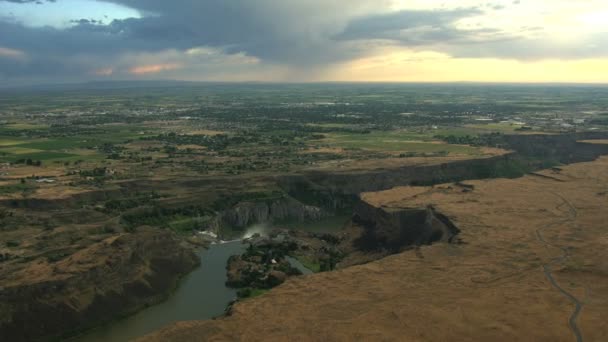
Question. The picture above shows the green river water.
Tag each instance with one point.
(201, 294)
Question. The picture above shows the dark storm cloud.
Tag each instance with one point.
(50, 41)
(169, 25)
(304, 34)
(294, 33)
(34, 68)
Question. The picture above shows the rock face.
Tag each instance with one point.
(563, 148)
(114, 277)
(493, 288)
(340, 190)
(395, 228)
(248, 213)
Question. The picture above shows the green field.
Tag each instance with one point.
(65, 148)
(10, 189)
(395, 141)
(58, 144)
(12, 150)
(48, 155)
(19, 150)
(10, 142)
(24, 126)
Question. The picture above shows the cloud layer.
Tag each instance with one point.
(295, 40)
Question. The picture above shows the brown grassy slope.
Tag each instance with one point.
(492, 288)
(116, 276)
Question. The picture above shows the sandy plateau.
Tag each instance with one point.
(532, 266)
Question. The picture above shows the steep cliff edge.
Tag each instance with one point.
(561, 148)
(393, 229)
(114, 277)
(59, 300)
(246, 213)
(340, 189)
(493, 288)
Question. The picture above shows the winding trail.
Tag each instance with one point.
(547, 268)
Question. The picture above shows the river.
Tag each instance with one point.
(202, 294)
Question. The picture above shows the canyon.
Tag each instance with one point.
(114, 277)
(532, 254)
(89, 273)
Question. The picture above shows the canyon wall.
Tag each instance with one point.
(247, 213)
(562, 148)
(393, 229)
(340, 190)
(115, 277)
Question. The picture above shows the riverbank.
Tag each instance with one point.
(202, 294)
(491, 287)
(34, 251)
(117, 276)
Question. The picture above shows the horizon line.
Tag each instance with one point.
(252, 82)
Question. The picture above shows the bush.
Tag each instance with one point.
(108, 229)
(130, 229)
(54, 257)
(244, 293)
(13, 243)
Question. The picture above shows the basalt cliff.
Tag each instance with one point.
(114, 277)
(123, 272)
(532, 255)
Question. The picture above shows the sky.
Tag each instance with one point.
(45, 41)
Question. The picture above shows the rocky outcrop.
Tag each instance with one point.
(452, 293)
(562, 148)
(396, 228)
(248, 213)
(114, 277)
(340, 190)
(390, 230)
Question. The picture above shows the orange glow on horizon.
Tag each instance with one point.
(11, 53)
(153, 69)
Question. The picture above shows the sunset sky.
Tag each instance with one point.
(304, 40)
